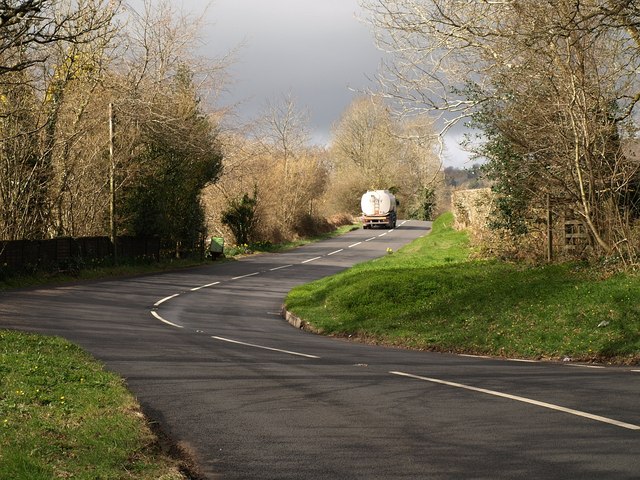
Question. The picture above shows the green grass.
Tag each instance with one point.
(430, 295)
(267, 247)
(63, 416)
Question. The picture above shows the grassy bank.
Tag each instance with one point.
(429, 295)
(63, 416)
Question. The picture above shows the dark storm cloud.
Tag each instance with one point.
(320, 51)
(317, 50)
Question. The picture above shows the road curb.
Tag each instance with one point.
(297, 322)
(292, 319)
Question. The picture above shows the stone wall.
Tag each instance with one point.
(471, 209)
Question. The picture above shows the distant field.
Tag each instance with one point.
(429, 295)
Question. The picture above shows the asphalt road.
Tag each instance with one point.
(209, 357)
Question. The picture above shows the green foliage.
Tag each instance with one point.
(424, 204)
(239, 217)
(63, 416)
(429, 295)
(506, 169)
(178, 159)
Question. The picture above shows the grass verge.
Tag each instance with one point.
(63, 416)
(267, 247)
(430, 295)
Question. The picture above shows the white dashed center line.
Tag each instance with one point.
(245, 276)
(333, 253)
(550, 406)
(165, 321)
(288, 352)
(204, 286)
(280, 268)
(159, 302)
(354, 245)
(369, 239)
(312, 259)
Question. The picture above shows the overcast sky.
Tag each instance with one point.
(320, 51)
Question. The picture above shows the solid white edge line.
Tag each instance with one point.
(245, 276)
(312, 259)
(204, 286)
(165, 321)
(279, 268)
(354, 245)
(159, 302)
(333, 253)
(636, 371)
(550, 406)
(228, 340)
(583, 366)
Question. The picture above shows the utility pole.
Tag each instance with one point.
(112, 188)
(549, 230)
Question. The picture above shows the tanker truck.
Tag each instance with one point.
(378, 208)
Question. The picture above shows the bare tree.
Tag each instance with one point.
(553, 85)
(67, 60)
(27, 27)
(272, 162)
(45, 47)
(372, 149)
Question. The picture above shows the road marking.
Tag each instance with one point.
(279, 268)
(311, 259)
(583, 366)
(472, 356)
(245, 276)
(383, 234)
(637, 371)
(228, 340)
(159, 302)
(165, 321)
(522, 360)
(391, 230)
(369, 239)
(354, 245)
(550, 406)
(333, 253)
(204, 286)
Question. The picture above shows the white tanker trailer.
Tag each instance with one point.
(378, 208)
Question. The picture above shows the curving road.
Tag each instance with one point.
(209, 357)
